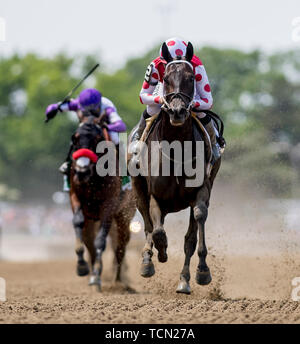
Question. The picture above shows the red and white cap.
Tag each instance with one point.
(176, 47)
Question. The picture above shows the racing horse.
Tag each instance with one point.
(158, 195)
(100, 208)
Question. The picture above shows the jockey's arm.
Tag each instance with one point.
(149, 85)
(53, 109)
(115, 122)
(72, 105)
(203, 99)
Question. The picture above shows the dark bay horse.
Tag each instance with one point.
(99, 206)
(159, 195)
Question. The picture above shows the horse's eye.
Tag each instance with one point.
(166, 81)
(192, 78)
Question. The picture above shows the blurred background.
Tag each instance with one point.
(251, 52)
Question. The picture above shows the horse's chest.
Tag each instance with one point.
(172, 189)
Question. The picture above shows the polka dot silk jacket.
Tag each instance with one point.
(152, 88)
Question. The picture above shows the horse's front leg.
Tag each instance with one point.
(190, 243)
(78, 224)
(141, 193)
(147, 268)
(100, 245)
(203, 276)
(159, 236)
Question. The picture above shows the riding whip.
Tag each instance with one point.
(69, 95)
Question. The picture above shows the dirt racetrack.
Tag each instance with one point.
(252, 256)
(51, 293)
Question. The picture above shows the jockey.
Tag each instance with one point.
(152, 91)
(89, 102)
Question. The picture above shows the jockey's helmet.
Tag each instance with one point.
(90, 99)
(176, 46)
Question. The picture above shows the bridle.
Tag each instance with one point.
(182, 95)
(88, 127)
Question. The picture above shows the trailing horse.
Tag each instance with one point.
(99, 206)
(159, 195)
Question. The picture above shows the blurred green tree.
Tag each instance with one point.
(257, 96)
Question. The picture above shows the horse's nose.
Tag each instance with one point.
(179, 112)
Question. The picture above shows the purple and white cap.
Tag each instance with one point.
(89, 99)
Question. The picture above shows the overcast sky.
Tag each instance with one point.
(121, 29)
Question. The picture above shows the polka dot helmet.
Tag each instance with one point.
(176, 46)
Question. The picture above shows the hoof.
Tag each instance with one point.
(183, 288)
(147, 270)
(162, 257)
(82, 269)
(161, 243)
(203, 277)
(95, 282)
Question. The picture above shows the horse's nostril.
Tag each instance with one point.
(179, 112)
(182, 112)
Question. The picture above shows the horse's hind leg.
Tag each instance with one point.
(89, 231)
(120, 241)
(78, 223)
(159, 235)
(100, 245)
(190, 242)
(141, 194)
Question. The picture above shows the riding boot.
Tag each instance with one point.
(134, 148)
(210, 128)
(65, 169)
(66, 165)
(141, 127)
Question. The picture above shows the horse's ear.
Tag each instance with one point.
(189, 52)
(165, 53)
